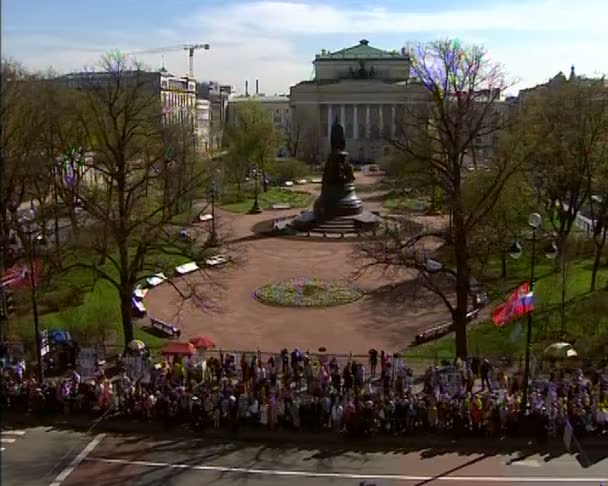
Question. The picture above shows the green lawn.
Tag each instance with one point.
(274, 195)
(70, 302)
(403, 203)
(585, 323)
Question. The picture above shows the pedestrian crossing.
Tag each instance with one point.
(8, 437)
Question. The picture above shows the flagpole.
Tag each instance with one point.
(524, 401)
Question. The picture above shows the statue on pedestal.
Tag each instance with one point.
(338, 197)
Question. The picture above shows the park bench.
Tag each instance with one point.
(166, 328)
(156, 280)
(438, 331)
(139, 309)
(281, 206)
(216, 260)
(205, 217)
(186, 268)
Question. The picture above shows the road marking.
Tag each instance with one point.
(13, 432)
(306, 474)
(77, 460)
(7, 440)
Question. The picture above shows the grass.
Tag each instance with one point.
(274, 195)
(585, 322)
(93, 317)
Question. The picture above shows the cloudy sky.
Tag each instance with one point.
(276, 40)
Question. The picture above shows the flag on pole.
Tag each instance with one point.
(520, 302)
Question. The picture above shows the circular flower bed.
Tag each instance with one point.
(308, 292)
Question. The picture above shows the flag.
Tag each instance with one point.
(519, 303)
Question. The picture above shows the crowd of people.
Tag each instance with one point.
(295, 391)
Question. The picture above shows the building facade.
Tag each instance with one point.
(367, 89)
(177, 95)
(217, 96)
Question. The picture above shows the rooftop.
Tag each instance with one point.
(361, 51)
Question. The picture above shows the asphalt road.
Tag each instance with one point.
(49, 457)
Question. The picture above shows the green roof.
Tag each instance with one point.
(361, 51)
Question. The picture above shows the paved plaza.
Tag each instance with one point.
(224, 307)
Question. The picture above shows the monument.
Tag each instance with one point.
(338, 196)
(338, 209)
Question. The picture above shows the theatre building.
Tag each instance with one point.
(368, 89)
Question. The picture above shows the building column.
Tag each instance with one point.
(368, 130)
(381, 120)
(394, 122)
(329, 121)
(355, 122)
(343, 116)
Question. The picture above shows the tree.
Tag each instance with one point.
(499, 228)
(252, 138)
(121, 116)
(565, 130)
(462, 90)
(18, 142)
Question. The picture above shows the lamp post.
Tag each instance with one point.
(212, 241)
(534, 221)
(31, 260)
(255, 209)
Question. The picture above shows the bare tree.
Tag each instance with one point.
(460, 103)
(121, 115)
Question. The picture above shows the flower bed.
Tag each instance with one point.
(308, 292)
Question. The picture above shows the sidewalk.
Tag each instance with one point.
(311, 439)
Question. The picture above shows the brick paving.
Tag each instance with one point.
(225, 310)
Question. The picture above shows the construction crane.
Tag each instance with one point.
(186, 47)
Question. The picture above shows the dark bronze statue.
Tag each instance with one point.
(338, 197)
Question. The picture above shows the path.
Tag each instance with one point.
(226, 310)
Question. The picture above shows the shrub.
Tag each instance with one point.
(280, 171)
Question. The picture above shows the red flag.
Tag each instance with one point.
(520, 302)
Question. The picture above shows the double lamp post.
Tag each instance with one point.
(534, 221)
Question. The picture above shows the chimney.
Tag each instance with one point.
(257, 87)
(246, 88)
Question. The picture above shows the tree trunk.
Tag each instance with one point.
(127, 316)
(599, 249)
(503, 265)
(462, 284)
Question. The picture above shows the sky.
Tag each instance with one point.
(275, 41)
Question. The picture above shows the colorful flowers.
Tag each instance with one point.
(308, 292)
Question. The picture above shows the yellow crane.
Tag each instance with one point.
(186, 47)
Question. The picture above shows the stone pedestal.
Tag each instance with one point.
(337, 200)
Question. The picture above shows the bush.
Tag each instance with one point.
(280, 171)
(56, 300)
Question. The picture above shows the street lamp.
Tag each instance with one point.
(31, 260)
(212, 241)
(255, 209)
(515, 251)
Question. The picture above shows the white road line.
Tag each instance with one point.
(13, 432)
(306, 474)
(77, 460)
(7, 440)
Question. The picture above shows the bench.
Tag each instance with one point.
(205, 217)
(186, 268)
(281, 206)
(140, 293)
(216, 260)
(165, 328)
(156, 280)
(288, 183)
(139, 310)
(442, 329)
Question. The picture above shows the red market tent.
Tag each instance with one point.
(202, 342)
